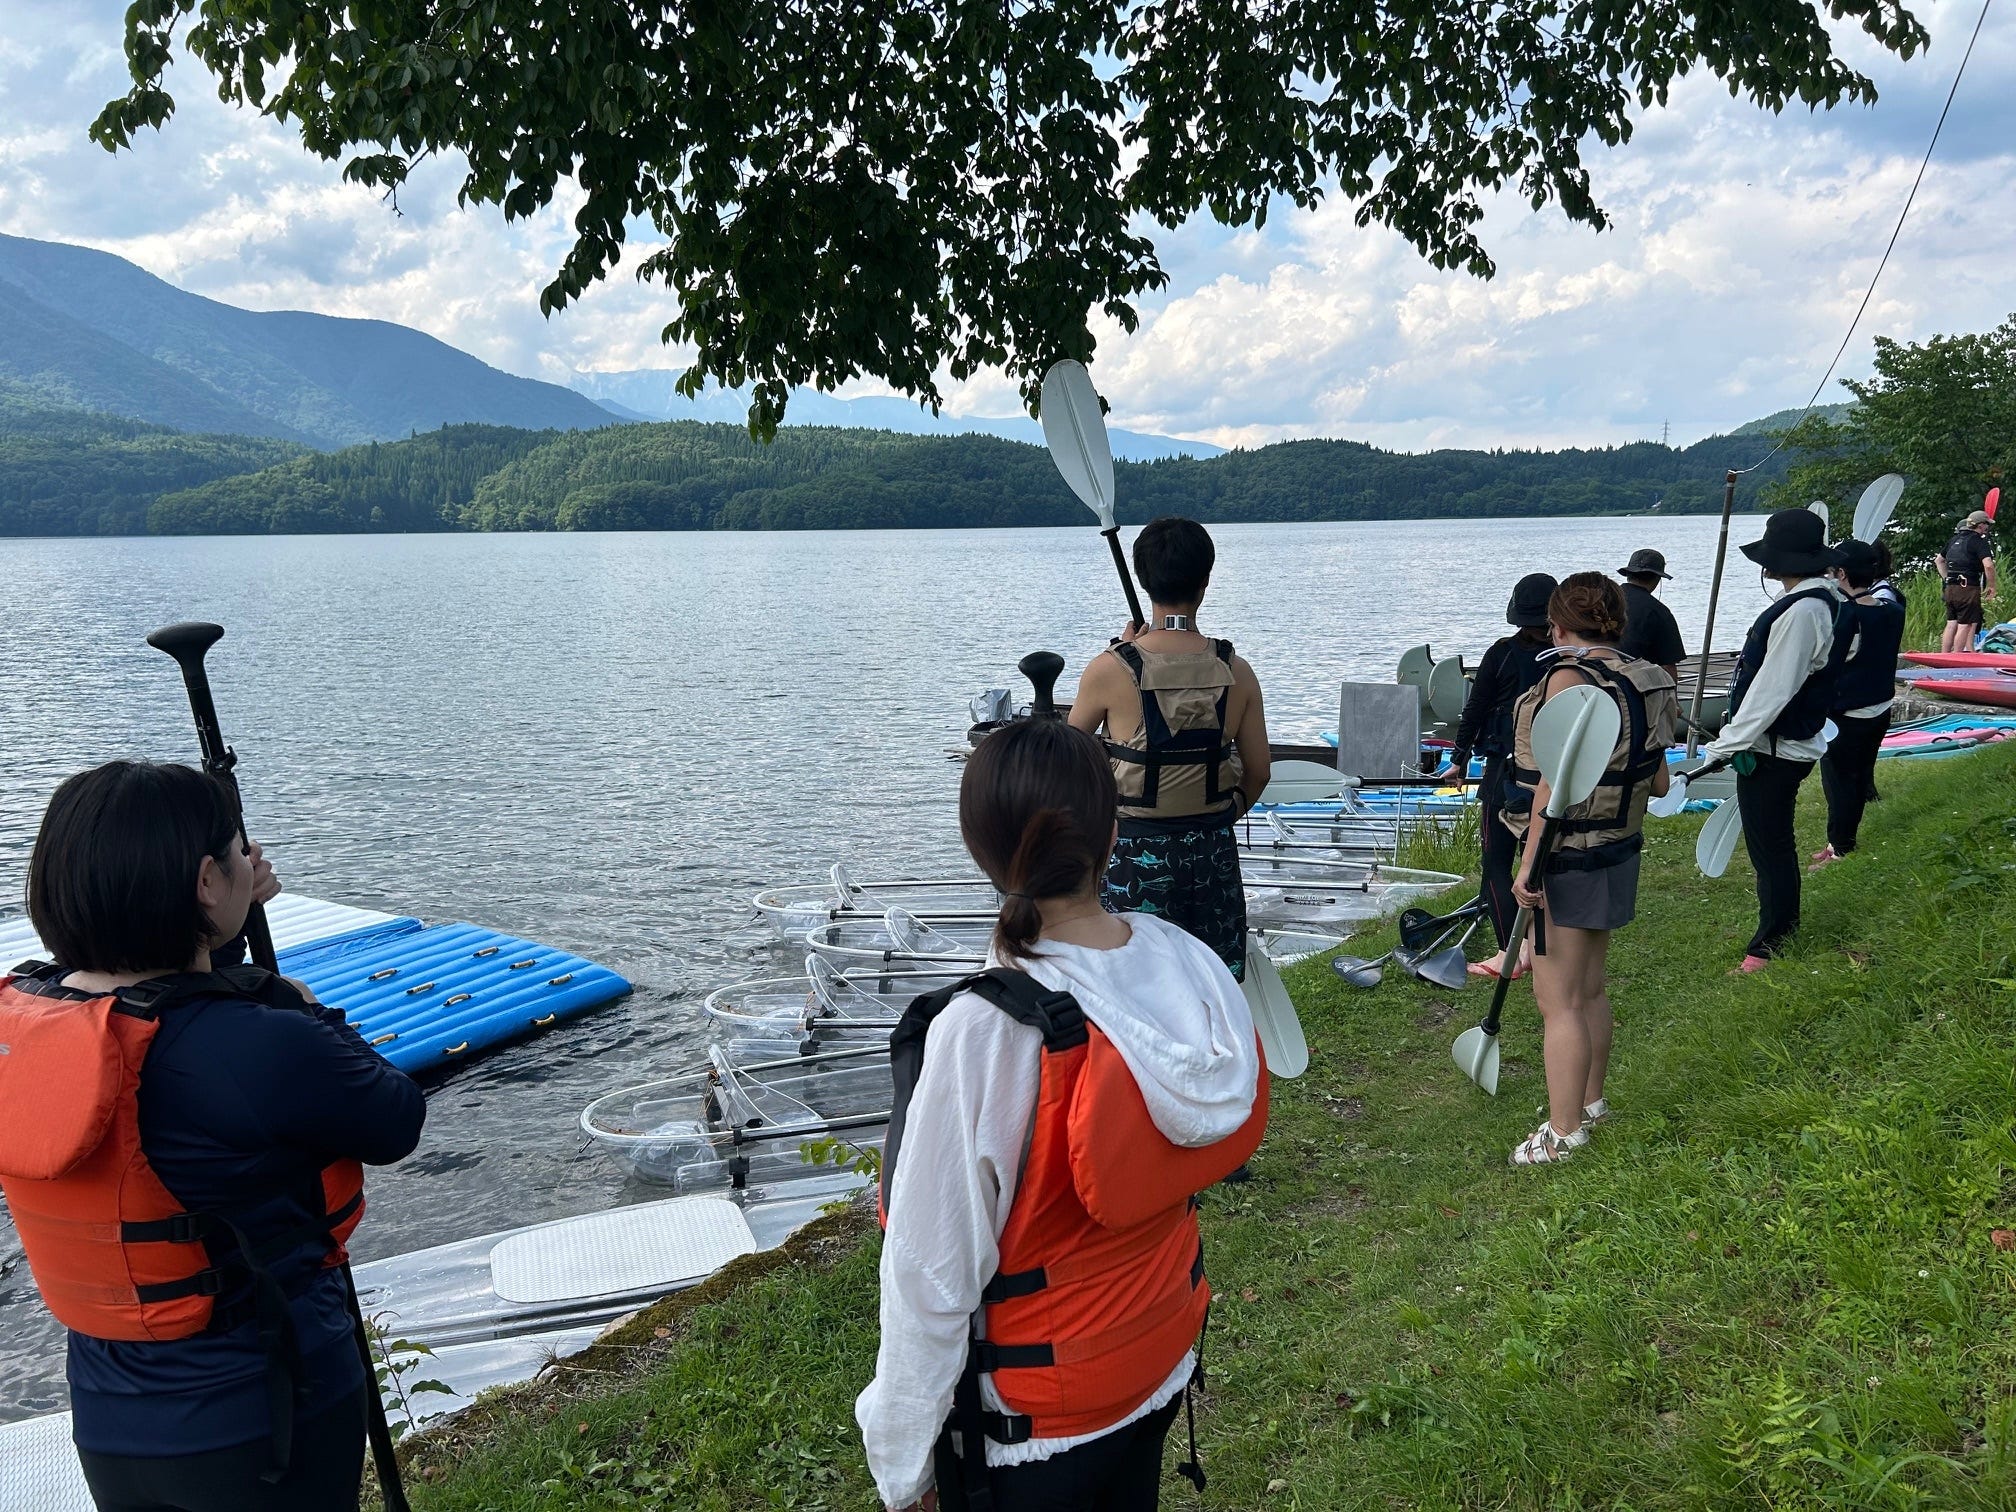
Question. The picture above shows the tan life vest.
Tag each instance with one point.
(1181, 762)
(1608, 824)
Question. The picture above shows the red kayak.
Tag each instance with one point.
(1995, 661)
(1978, 690)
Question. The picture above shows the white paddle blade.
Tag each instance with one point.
(1573, 737)
(1826, 525)
(1717, 842)
(1274, 1013)
(1075, 431)
(1877, 504)
(1302, 782)
(1674, 801)
(1477, 1058)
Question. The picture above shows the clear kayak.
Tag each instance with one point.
(795, 910)
(823, 1003)
(734, 1121)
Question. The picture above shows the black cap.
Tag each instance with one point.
(1794, 545)
(1645, 563)
(1528, 609)
(1861, 561)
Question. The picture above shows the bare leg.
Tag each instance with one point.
(1595, 1006)
(1556, 988)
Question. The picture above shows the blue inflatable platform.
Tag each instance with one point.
(423, 995)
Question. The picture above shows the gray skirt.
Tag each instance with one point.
(1606, 898)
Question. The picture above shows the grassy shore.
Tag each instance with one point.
(1776, 1279)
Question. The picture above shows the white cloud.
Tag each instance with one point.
(1741, 245)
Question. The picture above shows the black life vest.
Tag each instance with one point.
(1868, 672)
(1806, 711)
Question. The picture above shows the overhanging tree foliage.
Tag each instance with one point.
(900, 187)
(1941, 412)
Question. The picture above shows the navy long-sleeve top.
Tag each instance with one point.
(1509, 668)
(241, 1105)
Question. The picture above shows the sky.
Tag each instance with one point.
(1741, 244)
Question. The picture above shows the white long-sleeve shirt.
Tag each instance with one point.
(1181, 1024)
(1801, 640)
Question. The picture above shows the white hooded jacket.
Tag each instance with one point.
(1181, 1024)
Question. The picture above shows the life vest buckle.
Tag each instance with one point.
(189, 1228)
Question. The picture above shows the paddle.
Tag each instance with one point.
(1447, 967)
(1676, 795)
(1274, 1013)
(1075, 431)
(1573, 736)
(1717, 841)
(1877, 504)
(1826, 525)
(187, 642)
(1993, 502)
(1300, 782)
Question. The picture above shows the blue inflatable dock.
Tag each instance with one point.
(423, 995)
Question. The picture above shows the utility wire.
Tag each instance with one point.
(1863, 308)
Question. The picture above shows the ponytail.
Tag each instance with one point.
(1036, 807)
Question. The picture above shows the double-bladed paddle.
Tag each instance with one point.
(1074, 428)
(187, 643)
(1574, 734)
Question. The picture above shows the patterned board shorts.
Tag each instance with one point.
(1191, 878)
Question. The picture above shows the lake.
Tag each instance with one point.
(609, 742)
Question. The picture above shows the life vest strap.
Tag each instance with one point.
(1021, 1284)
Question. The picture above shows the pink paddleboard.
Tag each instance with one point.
(1997, 661)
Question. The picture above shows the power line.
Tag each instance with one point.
(1870, 293)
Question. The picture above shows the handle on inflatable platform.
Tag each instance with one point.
(1042, 668)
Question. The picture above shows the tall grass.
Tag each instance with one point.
(1925, 609)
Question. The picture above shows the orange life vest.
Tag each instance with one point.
(114, 1255)
(1101, 1288)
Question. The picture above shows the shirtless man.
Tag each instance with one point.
(1187, 736)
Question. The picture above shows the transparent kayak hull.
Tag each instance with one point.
(795, 910)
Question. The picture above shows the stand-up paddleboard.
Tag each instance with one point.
(1989, 689)
(1997, 661)
(422, 995)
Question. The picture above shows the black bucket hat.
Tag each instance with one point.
(1794, 545)
(1645, 562)
(1528, 609)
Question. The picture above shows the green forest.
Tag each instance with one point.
(71, 473)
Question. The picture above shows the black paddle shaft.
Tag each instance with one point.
(1549, 833)
(1112, 534)
(188, 643)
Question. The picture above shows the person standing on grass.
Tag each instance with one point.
(1650, 631)
(1042, 1280)
(1869, 631)
(1778, 705)
(1508, 669)
(1967, 569)
(1590, 884)
(1187, 736)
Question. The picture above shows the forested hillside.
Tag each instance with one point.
(72, 472)
(691, 476)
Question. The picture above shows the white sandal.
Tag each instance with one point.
(1595, 1112)
(1544, 1147)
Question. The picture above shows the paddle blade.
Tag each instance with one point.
(1477, 1058)
(1674, 801)
(1274, 1014)
(1448, 969)
(1992, 502)
(1717, 842)
(1573, 736)
(1356, 971)
(1075, 431)
(1826, 525)
(1877, 504)
(1302, 782)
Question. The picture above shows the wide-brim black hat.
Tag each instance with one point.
(1645, 562)
(1528, 609)
(1794, 544)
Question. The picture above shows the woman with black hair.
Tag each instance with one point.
(1509, 668)
(1869, 631)
(1042, 1280)
(179, 1149)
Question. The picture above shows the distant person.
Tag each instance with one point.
(186, 1225)
(1778, 707)
(1650, 631)
(1508, 669)
(1967, 569)
(1053, 1121)
(1187, 737)
(1869, 631)
(1589, 886)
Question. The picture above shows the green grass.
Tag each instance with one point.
(1770, 1282)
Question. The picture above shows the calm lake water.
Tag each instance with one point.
(609, 742)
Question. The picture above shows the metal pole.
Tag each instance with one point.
(1708, 630)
